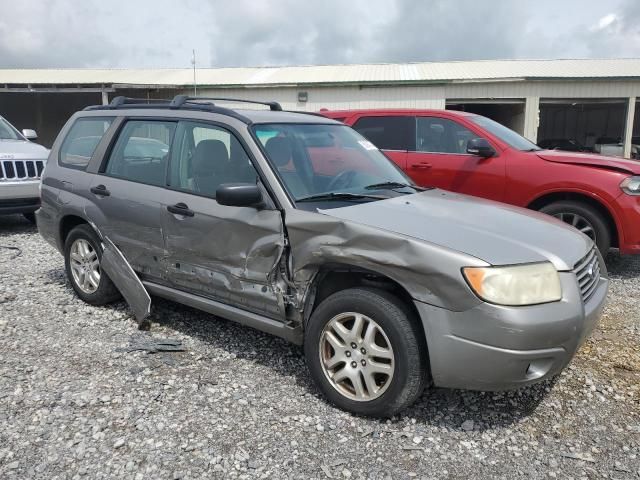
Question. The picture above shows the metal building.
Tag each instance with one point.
(591, 103)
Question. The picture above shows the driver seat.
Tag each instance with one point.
(281, 154)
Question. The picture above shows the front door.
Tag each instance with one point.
(229, 254)
(441, 160)
(126, 194)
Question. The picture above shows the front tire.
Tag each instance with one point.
(584, 218)
(82, 257)
(365, 351)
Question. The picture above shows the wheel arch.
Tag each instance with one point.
(551, 197)
(332, 278)
(68, 223)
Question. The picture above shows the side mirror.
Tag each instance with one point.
(480, 147)
(239, 195)
(30, 134)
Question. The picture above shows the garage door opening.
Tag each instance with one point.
(509, 113)
(46, 113)
(583, 125)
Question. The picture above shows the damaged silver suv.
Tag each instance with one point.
(296, 225)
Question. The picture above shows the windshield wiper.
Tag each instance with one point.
(392, 185)
(340, 196)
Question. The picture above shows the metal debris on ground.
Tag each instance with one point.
(153, 345)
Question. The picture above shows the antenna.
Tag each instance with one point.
(193, 62)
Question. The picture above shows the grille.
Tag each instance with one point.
(21, 169)
(587, 273)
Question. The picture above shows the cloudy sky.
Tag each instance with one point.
(162, 33)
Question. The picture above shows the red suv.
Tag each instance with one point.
(471, 154)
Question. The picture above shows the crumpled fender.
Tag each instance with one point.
(429, 273)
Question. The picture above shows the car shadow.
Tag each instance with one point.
(12, 224)
(622, 266)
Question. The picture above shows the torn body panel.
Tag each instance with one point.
(125, 280)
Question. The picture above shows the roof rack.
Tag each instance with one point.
(180, 100)
(190, 103)
(118, 102)
(153, 103)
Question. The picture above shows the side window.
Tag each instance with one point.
(205, 157)
(141, 152)
(387, 133)
(82, 140)
(440, 135)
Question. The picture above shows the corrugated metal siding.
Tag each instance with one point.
(334, 74)
(555, 89)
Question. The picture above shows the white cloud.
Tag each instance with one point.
(606, 21)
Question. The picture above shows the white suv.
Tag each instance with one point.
(21, 164)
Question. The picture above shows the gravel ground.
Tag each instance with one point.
(74, 403)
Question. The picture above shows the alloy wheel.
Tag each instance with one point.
(85, 266)
(356, 356)
(579, 222)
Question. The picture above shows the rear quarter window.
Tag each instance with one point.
(82, 140)
(388, 132)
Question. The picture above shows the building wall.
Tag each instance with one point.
(427, 96)
(532, 93)
(338, 98)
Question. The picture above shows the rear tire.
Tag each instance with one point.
(102, 291)
(585, 218)
(376, 370)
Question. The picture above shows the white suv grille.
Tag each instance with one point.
(21, 169)
(587, 273)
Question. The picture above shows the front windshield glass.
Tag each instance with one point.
(505, 134)
(331, 161)
(7, 132)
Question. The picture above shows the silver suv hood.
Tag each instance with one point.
(497, 233)
(22, 150)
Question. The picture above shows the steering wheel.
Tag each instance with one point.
(342, 180)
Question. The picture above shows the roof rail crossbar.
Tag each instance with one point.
(273, 106)
(179, 101)
(119, 101)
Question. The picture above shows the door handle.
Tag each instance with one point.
(181, 209)
(421, 166)
(100, 190)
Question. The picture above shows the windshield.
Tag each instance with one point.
(330, 162)
(505, 134)
(7, 132)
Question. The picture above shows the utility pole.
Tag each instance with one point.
(193, 62)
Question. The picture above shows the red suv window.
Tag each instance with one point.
(389, 132)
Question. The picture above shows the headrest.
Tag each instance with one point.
(211, 157)
(279, 150)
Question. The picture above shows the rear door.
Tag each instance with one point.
(440, 159)
(127, 193)
(393, 134)
(229, 254)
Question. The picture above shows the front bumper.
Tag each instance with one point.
(491, 347)
(629, 218)
(19, 196)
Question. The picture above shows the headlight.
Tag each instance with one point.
(517, 285)
(631, 185)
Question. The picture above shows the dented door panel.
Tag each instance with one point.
(230, 254)
(130, 216)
